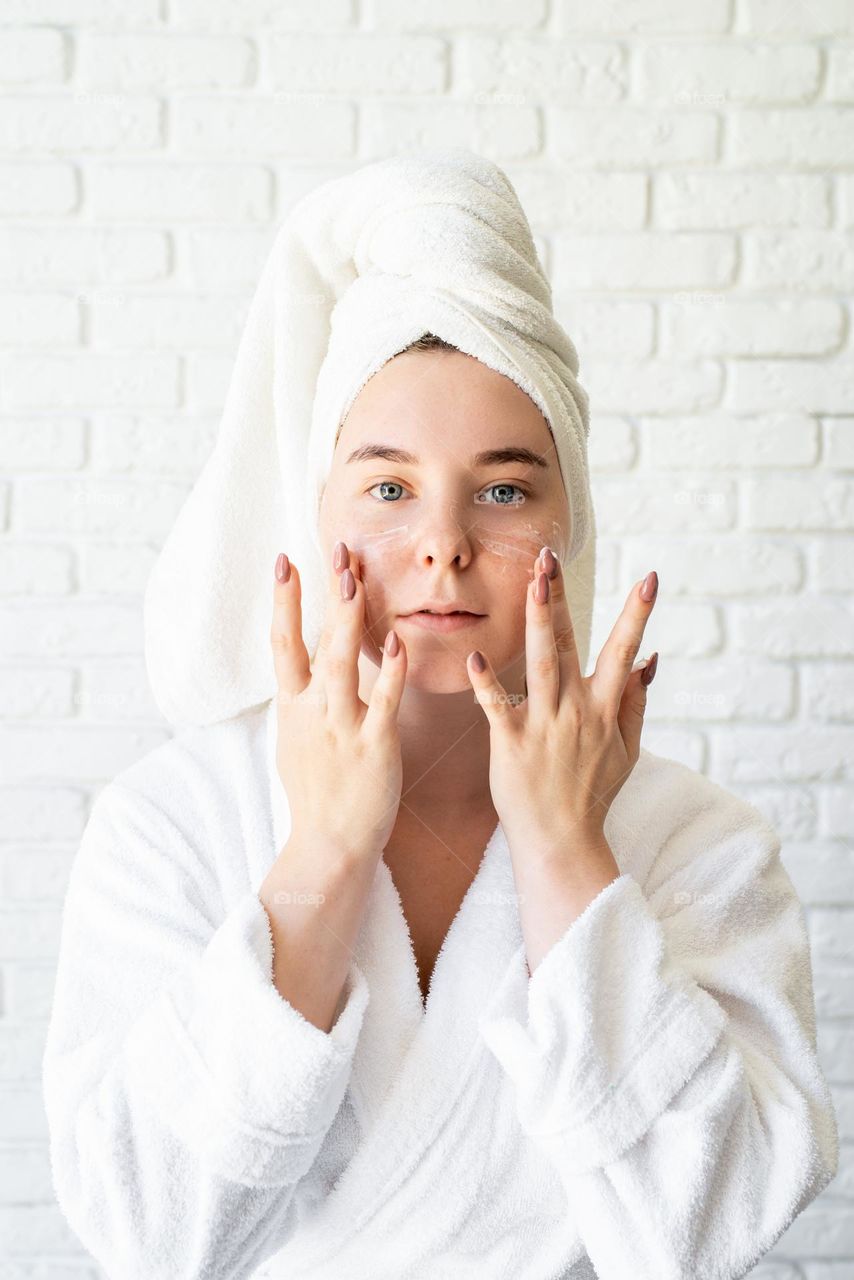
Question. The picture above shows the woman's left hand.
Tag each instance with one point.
(558, 758)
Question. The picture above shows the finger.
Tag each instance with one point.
(614, 663)
(562, 627)
(338, 562)
(384, 701)
(290, 656)
(341, 559)
(630, 719)
(340, 665)
(489, 691)
(542, 668)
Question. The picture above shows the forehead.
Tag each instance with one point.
(419, 394)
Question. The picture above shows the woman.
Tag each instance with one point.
(440, 538)
(411, 968)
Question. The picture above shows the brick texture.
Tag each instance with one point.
(688, 170)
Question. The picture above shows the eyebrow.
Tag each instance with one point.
(486, 458)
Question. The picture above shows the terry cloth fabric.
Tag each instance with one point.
(649, 1104)
(362, 266)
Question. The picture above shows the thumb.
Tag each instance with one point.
(633, 704)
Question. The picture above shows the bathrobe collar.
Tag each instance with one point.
(410, 1061)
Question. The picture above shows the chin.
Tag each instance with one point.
(431, 667)
(429, 676)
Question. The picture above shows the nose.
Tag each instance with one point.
(444, 537)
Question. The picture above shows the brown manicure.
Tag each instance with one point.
(649, 586)
(542, 589)
(340, 556)
(648, 673)
(283, 567)
(348, 585)
(550, 563)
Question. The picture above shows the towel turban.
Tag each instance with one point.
(363, 265)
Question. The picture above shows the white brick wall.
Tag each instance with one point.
(688, 169)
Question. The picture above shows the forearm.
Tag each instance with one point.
(161, 1002)
(315, 903)
(681, 1040)
(556, 880)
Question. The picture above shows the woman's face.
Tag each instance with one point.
(443, 523)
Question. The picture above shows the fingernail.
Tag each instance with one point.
(549, 562)
(348, 585)
(649, 586)
(283, 567)
(392, 644)
(542, 589)
(648, 673)
(340, 556)
(478, 661)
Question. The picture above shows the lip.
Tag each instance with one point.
(443, 621)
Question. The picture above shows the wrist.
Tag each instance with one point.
(564, 842)
(316, 865)
(326, 848)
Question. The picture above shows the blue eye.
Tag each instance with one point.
(385, 484)
(505, 501)
(505, 490)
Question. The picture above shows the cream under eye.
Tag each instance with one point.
(501, 502)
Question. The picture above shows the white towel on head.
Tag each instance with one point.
(363, 265)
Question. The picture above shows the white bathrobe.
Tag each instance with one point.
(647, 1106)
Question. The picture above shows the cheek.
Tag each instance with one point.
(513, 540)
(382, 535)
(508, 545)
(384, 545)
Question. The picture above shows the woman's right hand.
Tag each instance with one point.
(338, 758)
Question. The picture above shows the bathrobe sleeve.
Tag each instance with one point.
(185, 1098)
(664, 1058)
